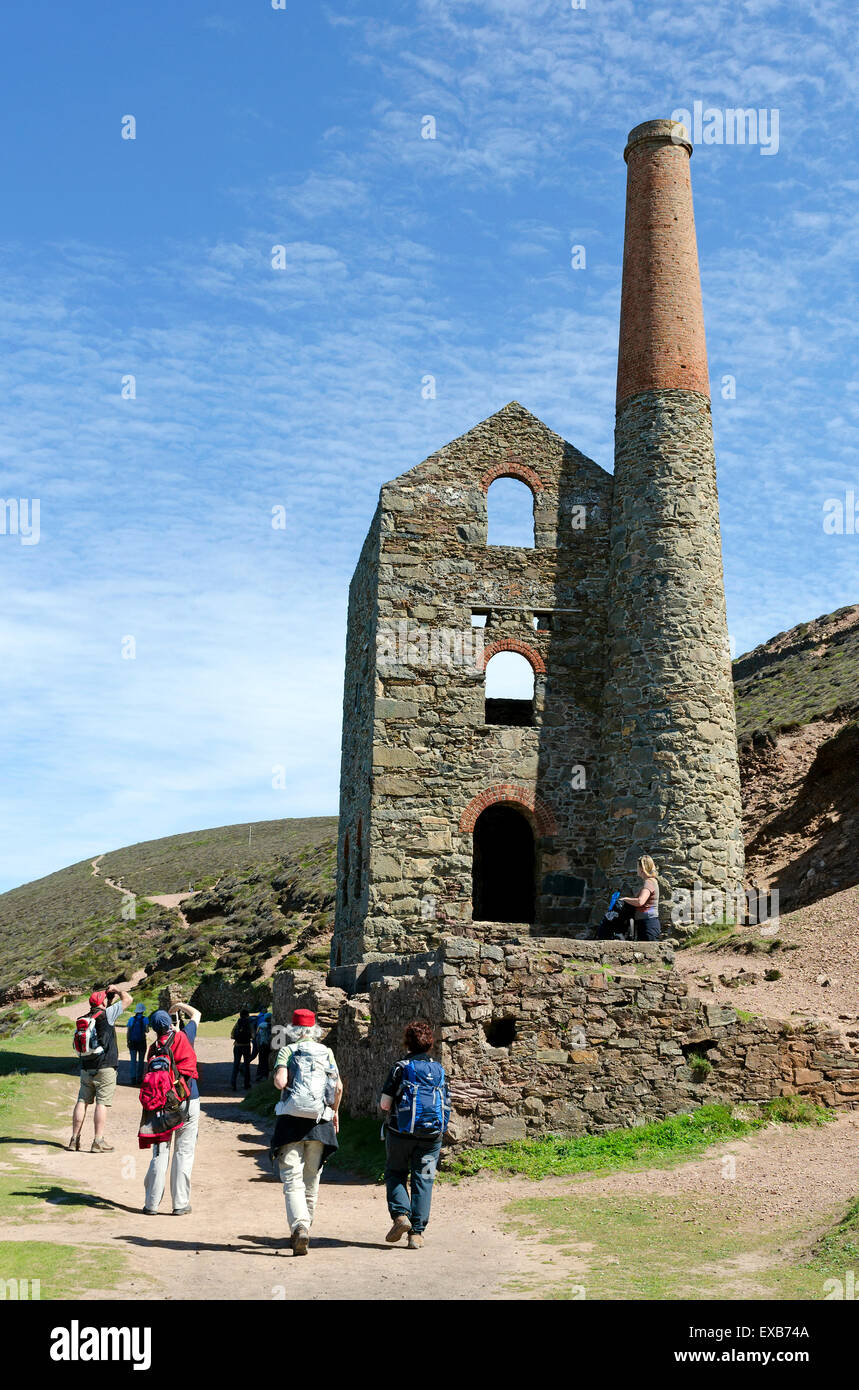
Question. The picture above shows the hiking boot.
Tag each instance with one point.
(183, 1211)
(74, 1145)
(416, 1240)
(147, 1211)
(300, 1240)
(401, 1226)
(101, 1146)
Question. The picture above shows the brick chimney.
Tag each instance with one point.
(662, 341)
(669, 772)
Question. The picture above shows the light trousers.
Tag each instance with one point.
(184, 1142)
(299, 1168)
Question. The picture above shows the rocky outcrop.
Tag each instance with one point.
(34, 987)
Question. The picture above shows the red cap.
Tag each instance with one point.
(303, 1018)
(98, 996)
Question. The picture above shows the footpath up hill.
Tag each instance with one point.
(258, 899)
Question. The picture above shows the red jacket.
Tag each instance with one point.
(183, 1053)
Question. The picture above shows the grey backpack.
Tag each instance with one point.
(311, 1083)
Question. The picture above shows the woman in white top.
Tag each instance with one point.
(647, 927)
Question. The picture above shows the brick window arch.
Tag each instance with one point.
(515, 644)
(512, 468)
(518, 795)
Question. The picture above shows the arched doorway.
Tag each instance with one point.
(503, 874)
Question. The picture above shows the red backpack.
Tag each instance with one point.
(164, 1096)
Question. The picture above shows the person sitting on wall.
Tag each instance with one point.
(647, 924)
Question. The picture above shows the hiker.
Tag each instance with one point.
(308, 1121)
(416, 1104)
(263, 1043)
(242, 1036)
(647, 924)
(135, 1031)
(180, 1042)
(96, 1045)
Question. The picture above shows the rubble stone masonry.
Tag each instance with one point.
(561, 1036)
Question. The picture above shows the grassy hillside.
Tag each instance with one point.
(254, 899)
(809, 672)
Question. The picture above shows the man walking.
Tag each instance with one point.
(95, 1041)
(242, 1036)
(308, 1120)
(135, 1031)
(416, 1102)
(184, 1141)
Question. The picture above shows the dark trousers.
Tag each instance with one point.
(415, 1160)
(137, 1055)
(262, 1063)
(241, 1058)
(647, 929)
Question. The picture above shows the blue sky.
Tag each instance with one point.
(301, 387)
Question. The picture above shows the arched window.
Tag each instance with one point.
(345, 884)
(510, 513)
(509, 690)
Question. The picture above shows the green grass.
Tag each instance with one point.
(799, 681)
(362, 1149)
(261, 1099)
(62, 1271)
(660, 1143)
(35, 1107)
(664, 1248)
(709, 934)
(838, 1249)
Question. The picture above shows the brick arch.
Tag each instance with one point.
(514, 644)
(519, 795)
(512, 468)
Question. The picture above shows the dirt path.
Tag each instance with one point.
(171, 901)
(233, 1243)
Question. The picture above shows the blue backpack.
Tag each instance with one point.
(137, 1030)
(422, 1106)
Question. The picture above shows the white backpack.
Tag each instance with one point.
(311, 1083)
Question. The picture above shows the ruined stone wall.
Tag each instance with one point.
(356, 759)
(563, 1037)
(433, 755)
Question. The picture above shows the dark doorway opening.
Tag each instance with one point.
(503, 869)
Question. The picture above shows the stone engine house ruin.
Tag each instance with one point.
(479, 834)
(464, 813)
